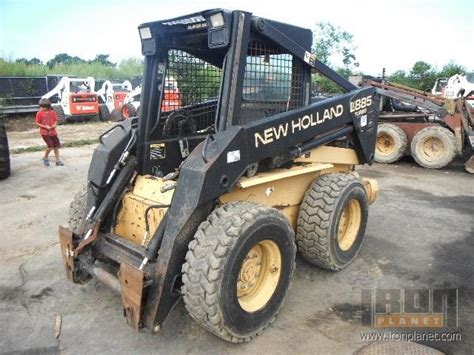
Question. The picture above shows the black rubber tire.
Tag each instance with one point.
(213, 264)
(60, 114)
(77, 211)
(449, 143)
(400, 143)
(4, 153)
(104, 114)
(318, 220)
(116, 115)
(132, 112)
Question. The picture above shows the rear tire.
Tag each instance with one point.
(4, 153)
(238, 269)
(391, 144)
(104, 113)
(128, 111)
(332, 220)
(433, 147)
(60, 114)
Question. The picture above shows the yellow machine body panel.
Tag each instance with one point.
(131, 218)
(282, 189)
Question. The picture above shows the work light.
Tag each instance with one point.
(145, 33)
(217, 20)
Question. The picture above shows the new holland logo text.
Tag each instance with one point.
(299, 124)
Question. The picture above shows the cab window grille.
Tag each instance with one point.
(190, 92)
(273, 82)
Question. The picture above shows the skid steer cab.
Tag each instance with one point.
(75, 99)
(210, 199)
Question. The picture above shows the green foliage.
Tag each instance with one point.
(326, 86)
(102, 59)
(451, 69)
(63, 64)
(422, 75)
(334, 47)
(197, 80)
(330, 42)
(32, 61)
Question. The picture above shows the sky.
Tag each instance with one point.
(387, 33)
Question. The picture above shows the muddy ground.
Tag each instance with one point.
(420, 235)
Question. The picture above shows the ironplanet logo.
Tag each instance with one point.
(296, 125)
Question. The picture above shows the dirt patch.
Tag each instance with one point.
(20, 123)
(71, 134)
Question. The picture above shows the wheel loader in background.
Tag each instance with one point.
(209, 201)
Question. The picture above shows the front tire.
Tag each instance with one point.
(77, 211)
(331, 221)
(238, 270)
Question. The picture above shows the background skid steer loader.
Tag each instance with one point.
(206, 200)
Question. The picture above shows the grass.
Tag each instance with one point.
(126, 69)
(39, 148)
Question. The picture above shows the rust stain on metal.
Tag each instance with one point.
(412, 128)
(89, 240)
(131, 281)
(67, 247)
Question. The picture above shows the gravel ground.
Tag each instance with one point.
(420, 235)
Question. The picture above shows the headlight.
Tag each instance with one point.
(145, 33)
(217, 20)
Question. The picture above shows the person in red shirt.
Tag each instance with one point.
(47, 121)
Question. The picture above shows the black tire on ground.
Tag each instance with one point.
(332, 220)
(60, 114)
(77, 211)
(433, 147)
(238, 269)
(4, 153)
(128, 111)
(104, 113)
(391, 144)
(116, 115)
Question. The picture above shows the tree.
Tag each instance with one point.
(451, 69)
(102, 59)
(330, 43)
(64, 58)
(424, 74)
(332, 46)
(32, 61)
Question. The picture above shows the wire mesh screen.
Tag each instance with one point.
(190, 95)
(273, 82)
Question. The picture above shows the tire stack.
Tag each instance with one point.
(432, 147)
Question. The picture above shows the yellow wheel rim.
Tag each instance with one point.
(385, 144)
(433, 148)
(259, 276)
(349, 224)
